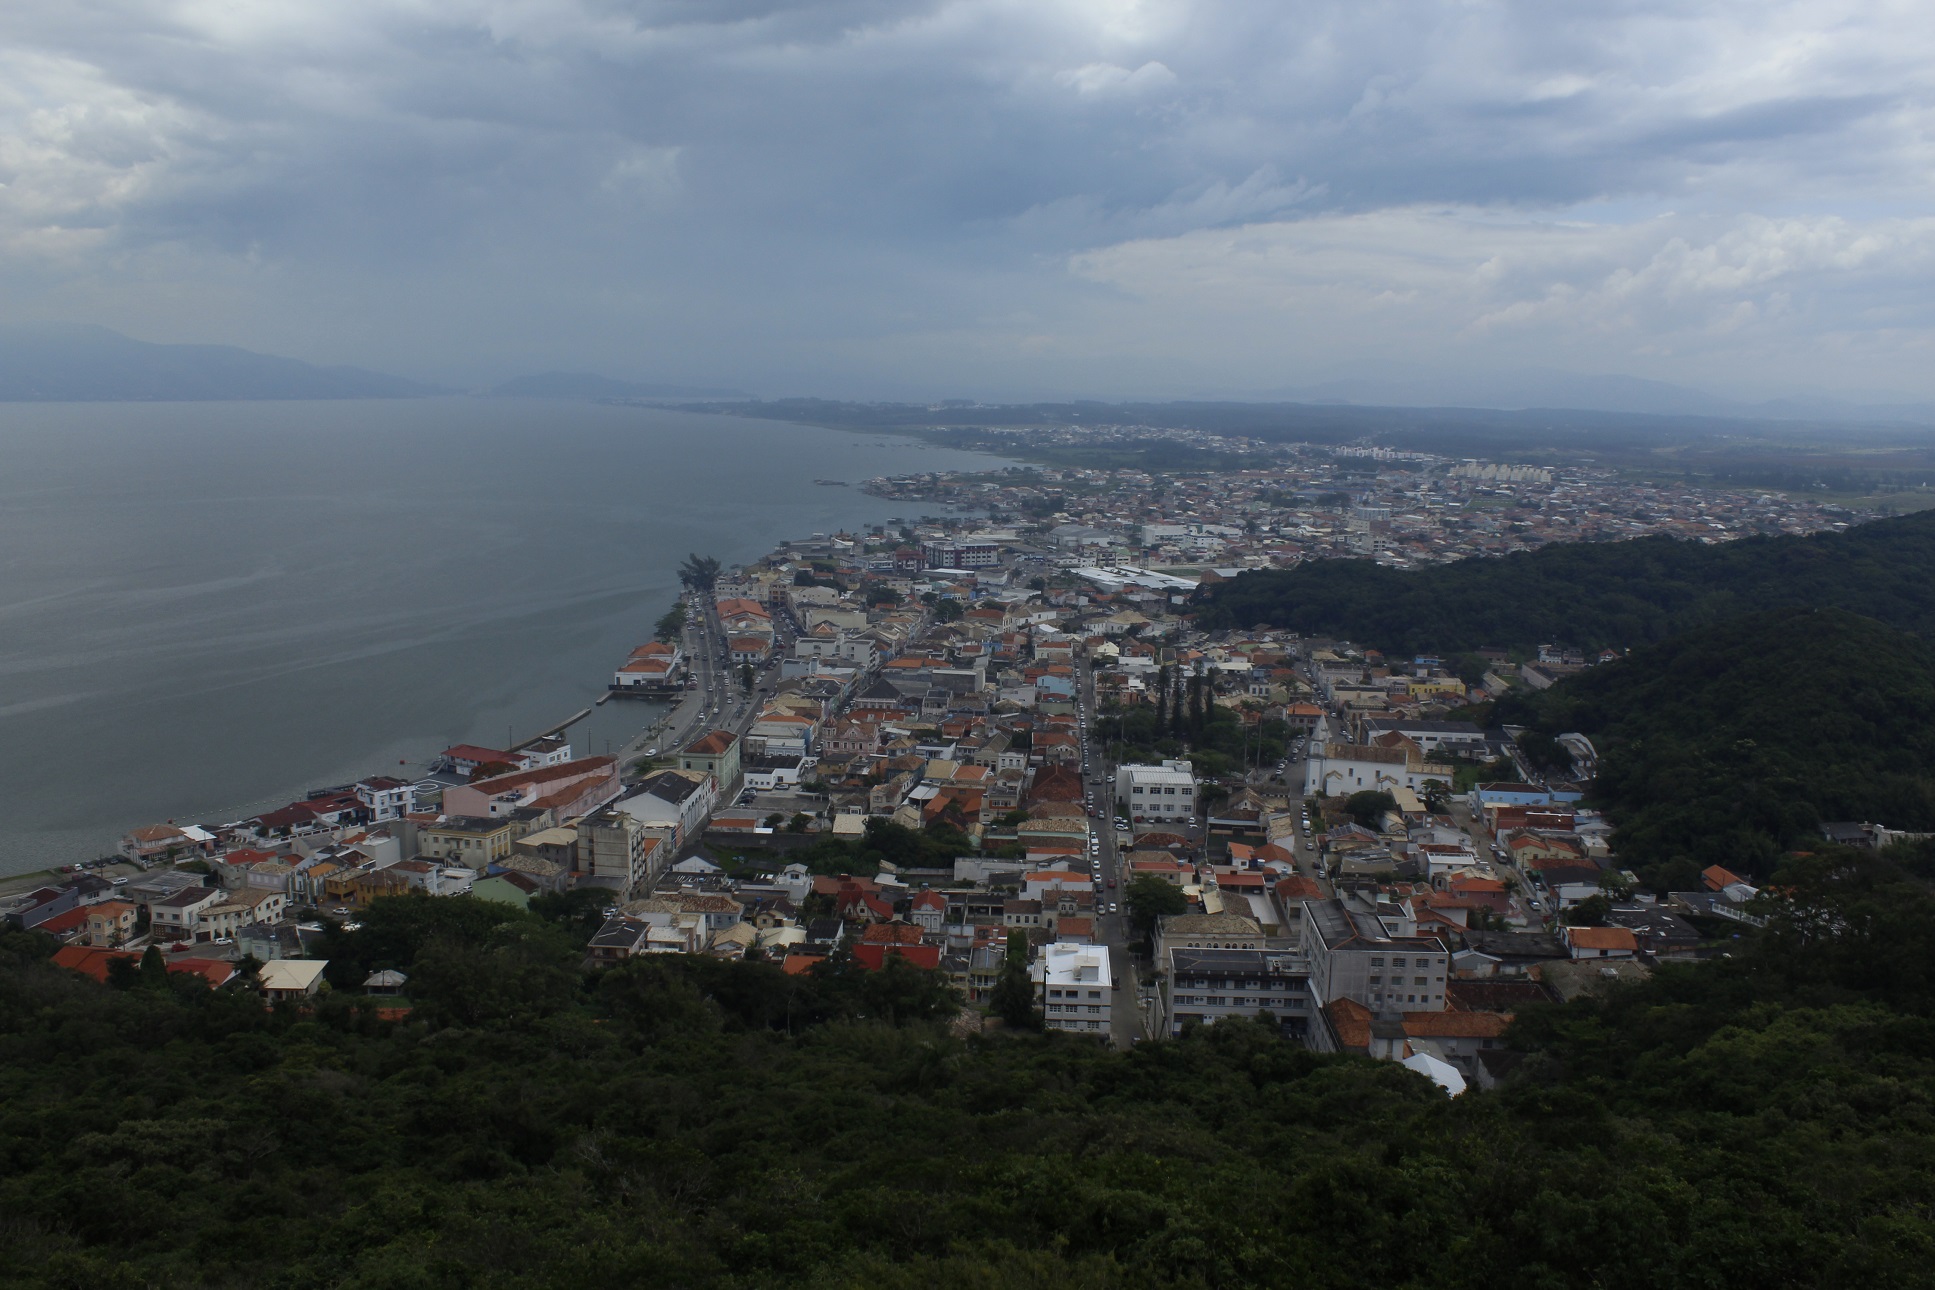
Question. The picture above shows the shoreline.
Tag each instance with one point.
(47, 850)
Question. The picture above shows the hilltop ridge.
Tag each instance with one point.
(1611, 595)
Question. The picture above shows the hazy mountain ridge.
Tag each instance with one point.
(591, 385)
(85, 364)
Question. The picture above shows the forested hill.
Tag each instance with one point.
(1592, 595)
(680, 1121)
(1731, 744)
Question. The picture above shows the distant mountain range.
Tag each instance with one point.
(589, 385)
(82, 363)
(79, 364)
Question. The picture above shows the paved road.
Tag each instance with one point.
(720, 701)
(1126, 1011)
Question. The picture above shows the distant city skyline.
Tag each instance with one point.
(923, 200)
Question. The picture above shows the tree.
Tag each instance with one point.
(699, 572)
(670, 624)
(580, 911)
(1151, 898)
(747, 677)
(1590, 912)
(1616, 884)
(154, 970)
(1013, 997)
(1369, 806)
(948, 611)
(799, 822)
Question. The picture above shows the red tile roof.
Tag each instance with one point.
(1603, 938)
(61, 924)
(874, 957)
(94, 963)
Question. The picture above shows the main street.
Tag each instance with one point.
(1126, 1014)
(718, 699)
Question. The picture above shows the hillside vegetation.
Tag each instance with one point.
(680, 1121)
(1592, 595)
(1731, 744)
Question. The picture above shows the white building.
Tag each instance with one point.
(387, 798)
(1166, 792)
(678, 803)
(1340, 769)
(1074, 987)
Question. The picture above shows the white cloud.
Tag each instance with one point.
(1669, 296)
(1107, 78)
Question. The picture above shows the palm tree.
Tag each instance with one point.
(699, 572)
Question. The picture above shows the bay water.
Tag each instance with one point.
(207, 609)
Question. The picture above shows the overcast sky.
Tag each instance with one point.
(986, 198)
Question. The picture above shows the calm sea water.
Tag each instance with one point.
(207, 609)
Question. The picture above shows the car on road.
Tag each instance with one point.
(1111, 903)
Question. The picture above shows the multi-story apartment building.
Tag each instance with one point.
(1073, 985)
(619, 852)
(1160, 793)
(1353, 955)
(1207, 985)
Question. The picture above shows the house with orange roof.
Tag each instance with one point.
(874, 957)
(740, 616)
(91, 961)
(1164, 868)
(799, 964)
(1600, 942)
(1717, 879)
(716, 753)
(892, 934)
(66, 924)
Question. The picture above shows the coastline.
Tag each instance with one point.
(452, 610)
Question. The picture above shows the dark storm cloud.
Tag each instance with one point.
(981, 194)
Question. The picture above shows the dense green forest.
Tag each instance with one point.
(1763, 1120)
(1731, 744)
(1592, 595)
